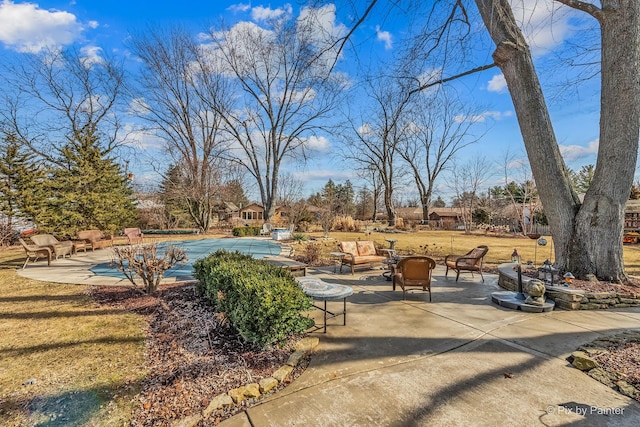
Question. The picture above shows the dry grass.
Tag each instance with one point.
(81, 363)
(438, 244)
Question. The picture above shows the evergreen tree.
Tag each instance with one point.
(439, 203)
(21, 182)
(89, 190)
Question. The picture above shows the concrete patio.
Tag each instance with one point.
(459, 360)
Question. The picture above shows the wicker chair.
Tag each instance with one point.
(59, 248)
(134, 235)
(414, 272)
(34, 251)
(471, 261)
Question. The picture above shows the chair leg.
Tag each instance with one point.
(446, 272)
(457, 274)
(25, 262)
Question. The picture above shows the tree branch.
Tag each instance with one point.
(592, 10)
(448, 79)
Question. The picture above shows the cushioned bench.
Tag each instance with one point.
(358, 253)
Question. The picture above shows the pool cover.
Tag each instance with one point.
(196, 249)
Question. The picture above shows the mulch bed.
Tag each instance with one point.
(192, 354)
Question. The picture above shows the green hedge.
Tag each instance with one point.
(246, 231)
(263, 302)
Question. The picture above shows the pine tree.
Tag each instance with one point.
(90, 190)
(21, 182)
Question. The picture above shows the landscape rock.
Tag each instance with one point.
(307, 344)
(295, 358)
(627, 389)
(218, 402)
(582, 361)
(282, 373)
(267, 384)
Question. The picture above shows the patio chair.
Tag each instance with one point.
(134, 235)
(59, 248)
(414, 272)
(266, 229)
(34, 251)
(471, 261)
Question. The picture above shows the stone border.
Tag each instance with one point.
(234, 396)
(582, 360)
(569, 299)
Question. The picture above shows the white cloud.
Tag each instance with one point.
(240, 7)
(261, 13)
(27, 28)
(545, 25)
(93, 24)
(141, 139)
(482, 117)
(573, 152)
(91, 56)
(497, 84)
(318, 143)
(385, 37)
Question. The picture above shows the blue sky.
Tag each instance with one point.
(104, 26)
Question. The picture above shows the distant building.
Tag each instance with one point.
(253, 213)
(632, 215)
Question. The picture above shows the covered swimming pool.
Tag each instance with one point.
(196, 249)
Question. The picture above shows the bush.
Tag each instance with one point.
(300, 237)
(312, 253)
(344, 223)
(246, 231)
(262, 302)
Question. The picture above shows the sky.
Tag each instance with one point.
(97, 27)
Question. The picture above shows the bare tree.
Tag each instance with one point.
(284, 90)
(176, 92)
(520, 189)
(383, 126)
(466, 182)
(587, 235)
(51, 99)
(440, 128)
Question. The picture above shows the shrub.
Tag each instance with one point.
(246, 231)
(143, 261)
(262, 302)
(312, 253)
(344, 223)
(300, 237)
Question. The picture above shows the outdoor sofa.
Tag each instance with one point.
(95, 238)
(358, 253)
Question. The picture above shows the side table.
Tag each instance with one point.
(79, 244)
(337, 257)
(323, 291)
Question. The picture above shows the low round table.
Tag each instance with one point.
(323, 291)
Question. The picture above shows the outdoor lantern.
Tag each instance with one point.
(515, 257)
(546, 273)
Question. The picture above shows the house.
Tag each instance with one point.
(413, 213)
(445, 217)
(632, 215)
(253, 213)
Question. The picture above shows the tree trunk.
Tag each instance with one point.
(588, 238)
(596, 246)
